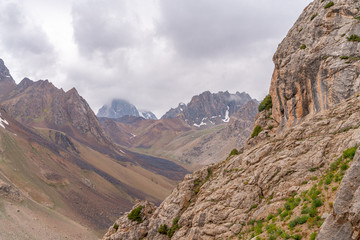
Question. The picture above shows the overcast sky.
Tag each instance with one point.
(153, 53)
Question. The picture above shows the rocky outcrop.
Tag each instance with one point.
(208, 109)
(120, 108)
(344, 221)
(316, 65)
(219, 201)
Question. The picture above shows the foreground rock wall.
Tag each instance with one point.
(222, 201)
(316, 66)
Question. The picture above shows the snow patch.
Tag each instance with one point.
(199, 125)
(141, 114)
(122, 151)
(2, 122)
(132, 135)
(227, 118)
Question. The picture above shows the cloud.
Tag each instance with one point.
(213, 28)
(103, 26)
(25, 42)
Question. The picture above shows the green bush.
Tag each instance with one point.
(350, 153)
(135, 214)
(256, 131)
(313, 16)
(116, 226)
(302, 47)
(354, 38)
(174, 227)
(163, 229)
(313, 236)
(330, 4)
(266, 104)
(296, 237)
(234, 152)
(344, 57)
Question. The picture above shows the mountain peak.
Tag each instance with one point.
(209, 108)
(120, 108)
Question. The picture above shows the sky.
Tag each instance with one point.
(152, 53)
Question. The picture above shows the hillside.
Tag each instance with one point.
(298, 176)
(57, 158)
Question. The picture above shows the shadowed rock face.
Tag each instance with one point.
(306, 81)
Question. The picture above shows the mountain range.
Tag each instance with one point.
(57, 161)
(193, 134)
(74, 171)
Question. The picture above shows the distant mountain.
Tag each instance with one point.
(225, 123)
(120, 108)
(209, 109)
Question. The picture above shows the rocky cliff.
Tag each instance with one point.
(317, 65)
(299, 182)
(208, 109)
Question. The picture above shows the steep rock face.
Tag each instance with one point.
(219, 201)
(209, 108)
(316, 66)
(41, 104)
(120, 108)
(7, 83)
(344, 221)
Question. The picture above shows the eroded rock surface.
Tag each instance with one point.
(316, 66)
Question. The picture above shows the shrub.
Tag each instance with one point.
(358, 18)
(135, 214)
(329, 5)
(234, 152)
(313, 236)
(174, 227)
(302, 47)
(297, 237)
(354, 38)
(266, 104)
(116, 226)
(256, 131)
(313, 16)
(317, 202)
(344, 57)
(163, 229)
(350, 153)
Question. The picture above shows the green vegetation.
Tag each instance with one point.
(313, 236)
(329, 5)
(350, 153)
(302, 47)
(116, 226)
(256, 131)
(266, 104)
(163, 229)
(234, 152)
(344, 57)
(312, 203)
(174, 227)
(354, 38)
(135, 214)
(358, 18)
(313, 16)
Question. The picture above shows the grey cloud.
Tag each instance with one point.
(212, 28)
(24, 41)
(103, 26)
